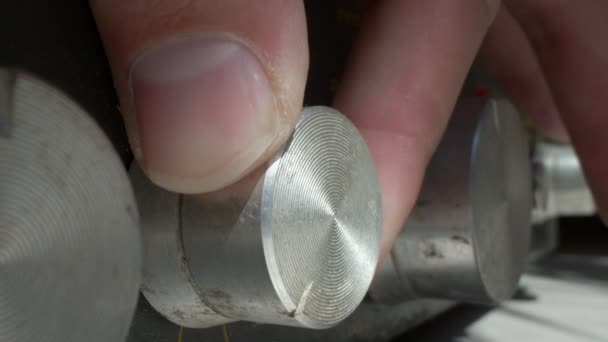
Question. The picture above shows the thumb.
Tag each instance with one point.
(208, 89)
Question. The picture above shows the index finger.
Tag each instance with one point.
(401, 85)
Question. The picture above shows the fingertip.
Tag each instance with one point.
(205, 112)
(208, 90)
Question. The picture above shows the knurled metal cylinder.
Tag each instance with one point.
(70, 249)
(467, 237)
(299, 247)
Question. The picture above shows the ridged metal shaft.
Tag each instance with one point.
(298, 247)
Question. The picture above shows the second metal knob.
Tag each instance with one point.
(468, 235)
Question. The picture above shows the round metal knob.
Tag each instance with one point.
(468, 235)
(298, 247)
(70, 253)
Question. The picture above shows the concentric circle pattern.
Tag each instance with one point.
(69, 243)
(324, 219)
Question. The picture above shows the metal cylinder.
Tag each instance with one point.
(560, 187)
(298, 247)
(70, 249)
(467, 237)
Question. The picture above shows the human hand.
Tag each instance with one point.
(210, 89)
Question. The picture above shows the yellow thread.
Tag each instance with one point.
(180, 334)
(225, 332)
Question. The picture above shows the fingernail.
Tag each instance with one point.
(205, 112)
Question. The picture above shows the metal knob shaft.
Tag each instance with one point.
(468, 234)
(70, 255)
(560, 187)
(298, 248)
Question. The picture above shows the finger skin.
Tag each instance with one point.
(401, 85)
(209, 89)
(508, 56)
(569, 38)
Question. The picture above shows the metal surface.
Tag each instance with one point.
(167, 283)
(560, 188)
(468, 235)
(298, 248)
(70, 256)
